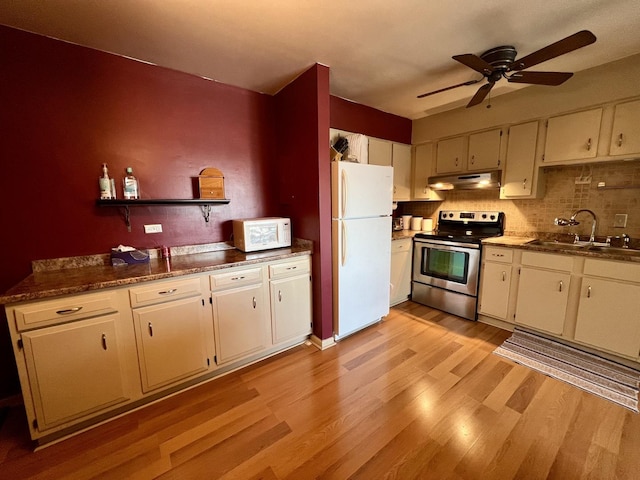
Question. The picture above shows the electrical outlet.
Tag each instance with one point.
(155, 228)
(620, 220)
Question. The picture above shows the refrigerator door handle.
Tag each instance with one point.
(344, 192)
(344, 244)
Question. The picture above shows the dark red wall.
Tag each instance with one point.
(353, 117)
(67, 109)
(305, 178)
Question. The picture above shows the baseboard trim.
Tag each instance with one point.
(322, 344)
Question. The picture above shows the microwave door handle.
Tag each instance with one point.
(344, 192)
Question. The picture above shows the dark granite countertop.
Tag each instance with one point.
(53, 282)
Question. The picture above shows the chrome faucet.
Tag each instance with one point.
(563, 222)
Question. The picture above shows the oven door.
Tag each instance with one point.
(449, 265)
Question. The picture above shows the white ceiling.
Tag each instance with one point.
(380, 53)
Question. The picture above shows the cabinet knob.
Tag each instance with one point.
(504, 276)
(589, 144)
(473, 159)
(524, 184)
(589, 291)
(254, 302)
(279, 295)
(104, 341)
(150, 329)
(560, 285)
(620, 140)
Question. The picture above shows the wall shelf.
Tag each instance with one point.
(204, 204)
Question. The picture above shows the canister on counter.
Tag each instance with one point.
(416, 223)
(406, 222)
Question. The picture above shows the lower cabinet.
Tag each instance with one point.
(240, 318)
(496, 284)
(401, 253)
(172, 342)
(608, 308)
(74, 369)
(290, 289)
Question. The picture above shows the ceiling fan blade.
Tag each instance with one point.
(470, 82)
(475, 62)
(482, 92)
(566, 45)
(540, 78)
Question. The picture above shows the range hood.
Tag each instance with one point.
(467, 181)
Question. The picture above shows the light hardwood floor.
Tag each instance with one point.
(419, 395)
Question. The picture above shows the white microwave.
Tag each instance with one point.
(251, 234)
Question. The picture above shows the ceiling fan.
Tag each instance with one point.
(496, 63)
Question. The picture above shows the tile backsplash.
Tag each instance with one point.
(563, 196)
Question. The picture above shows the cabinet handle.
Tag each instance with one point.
(343, 179)
(68, 311)
(473, 159)
(524, 184)
(589, 291)
(560, 286)
(104, 341)
(238, 278)
(254, 302)
(504, 276)
(343, 260)
(279, 295)
(620, 140)
(394, 189)
(456, 161)
(292, 268)
(150, 330)
(167, 292)
(589, 144)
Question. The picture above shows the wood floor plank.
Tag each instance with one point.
(418, 395)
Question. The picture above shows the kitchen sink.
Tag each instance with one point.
(586, 247)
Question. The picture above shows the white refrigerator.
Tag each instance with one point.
(361, 205)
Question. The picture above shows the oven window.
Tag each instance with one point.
(446, 264)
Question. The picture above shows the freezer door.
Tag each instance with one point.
(360, 190)
(361, 272)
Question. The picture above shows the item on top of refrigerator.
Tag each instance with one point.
(130, 185)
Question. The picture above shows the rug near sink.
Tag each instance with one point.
(591, 373)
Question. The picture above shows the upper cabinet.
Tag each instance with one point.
(380, 152)
(625, 135)
(484, 150)
(521, 177)
(397, 155)
(450, 155)
(424, 167)
(573, 137)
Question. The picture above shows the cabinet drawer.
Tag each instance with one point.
(288, 268)
(402, 245)
(548, 260)
(158, 292)
(629, 272)
(62, 310)
(236, 278)
(504, 255)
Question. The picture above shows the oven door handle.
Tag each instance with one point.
(452, 246)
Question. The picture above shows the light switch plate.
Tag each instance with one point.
(620, 220)
(154, 228)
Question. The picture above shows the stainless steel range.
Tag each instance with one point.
(446, 263)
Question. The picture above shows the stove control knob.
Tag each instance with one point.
(451, 215)
(484, 215)
(493, 217)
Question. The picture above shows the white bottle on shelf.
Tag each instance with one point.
(130, 186)
(105, 184)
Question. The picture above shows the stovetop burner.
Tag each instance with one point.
(466, 226)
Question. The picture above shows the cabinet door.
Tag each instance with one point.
(290, 307)
(450, 155)
(573, 136)
(542, 299)
(625, 136)
(400, 270)
(424, 168)
(484, 150)
(401, 161)
(521, 157)
(74, 369)
(380, 152)
(496, 286)
(171, 341)
(240, 317)
(608, 316)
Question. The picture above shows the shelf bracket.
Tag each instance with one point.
(206, 212)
